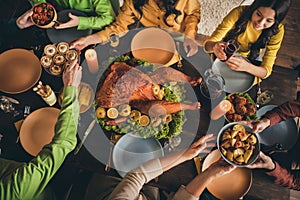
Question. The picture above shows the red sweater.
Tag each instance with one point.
(281, 113)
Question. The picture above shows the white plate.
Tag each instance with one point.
(131, 151)
(285, 132)
(235, 81)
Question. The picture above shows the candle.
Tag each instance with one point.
(92, 60)
(221, 109)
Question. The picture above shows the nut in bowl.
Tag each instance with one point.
(243, 108)
(44, 15)
(237, 145)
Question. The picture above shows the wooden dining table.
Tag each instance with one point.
(93, 159)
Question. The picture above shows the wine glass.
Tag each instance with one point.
(213, 85)
(232, 46)
(265, 97)
(114, 39)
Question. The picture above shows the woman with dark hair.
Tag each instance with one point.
(255, 27)
(176, 15)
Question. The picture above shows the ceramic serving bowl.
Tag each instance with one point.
(44, 15)
(238, 145)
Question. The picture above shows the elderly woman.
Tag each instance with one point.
(255, 27)
(180, 16)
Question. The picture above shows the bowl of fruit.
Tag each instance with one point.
(44, 15)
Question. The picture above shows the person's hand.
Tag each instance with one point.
(83, 42)
(218, 50)
(74, 21)
(190, 46)
(263, 161)
(24, 20)
(220, 168)
(237, 63)
(258, 126)
(72, 75)
(203, 145)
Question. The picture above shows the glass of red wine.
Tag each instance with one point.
(231, 47)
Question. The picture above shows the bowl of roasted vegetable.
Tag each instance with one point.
(237, 144)
(243, 108)
(44, 15)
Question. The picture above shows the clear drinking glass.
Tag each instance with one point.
(265, 97)
(114, 39)
(213, 85)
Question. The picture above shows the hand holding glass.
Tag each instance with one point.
(231, 47)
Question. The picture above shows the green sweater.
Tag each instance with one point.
(28, 181)
(100, 12)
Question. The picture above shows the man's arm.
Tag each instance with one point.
(283, 112)
(285, 178)
(28, 180)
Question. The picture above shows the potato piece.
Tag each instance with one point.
(247, 155)
(224, 152)
(229, 155)
(238, 152)
(225, 144)
(243, 136)
(232, 142)
(240, 159)
(247, 146)
(226, 135)
(252, 139)
(239, 127)
(234, 133)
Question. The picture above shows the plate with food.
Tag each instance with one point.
(44, 15)
(230, 186)
(242, 108)
(238, 145)
(138, 97)
(58, 57)
(85, 97)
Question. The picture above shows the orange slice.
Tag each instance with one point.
(144, 120)
(100, 113)
(112, 113)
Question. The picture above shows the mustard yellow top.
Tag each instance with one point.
(249, 37)
(153, 17)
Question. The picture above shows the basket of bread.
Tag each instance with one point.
(237, 144)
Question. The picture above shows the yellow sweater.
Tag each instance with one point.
(249, 37)
(153, 16)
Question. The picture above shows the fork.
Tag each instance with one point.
(26, 111)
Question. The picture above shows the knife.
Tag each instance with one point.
(11, 99)
(86, 133)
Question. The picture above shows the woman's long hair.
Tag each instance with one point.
(279, 6)
(168, 5)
